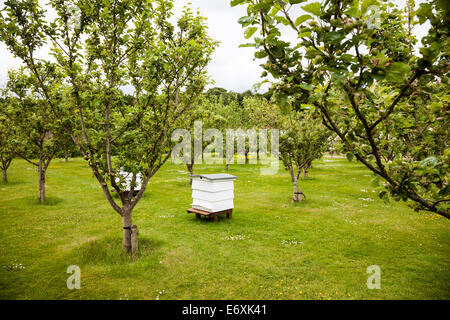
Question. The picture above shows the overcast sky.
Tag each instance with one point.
(232, 68)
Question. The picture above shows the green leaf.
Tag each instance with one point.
(444, 192)
(236, 2)
(282, 20)
(265, 6)
(249, 32)
(278, 52)
(305, 34)
(354, 11)
(430, 53)
(260, 54)
(306, 86)
(348, 57)
(428, 162)
(313, 8)
(282, 99)
(424, 12)
(296, 1)
(306, 106)
(302, 19)
(350, 156)
(366, 4)
(378, 73)
(334, 35)
(274, 11)
(397, 72)
(384, 196)
(245, 21)
(246, 45)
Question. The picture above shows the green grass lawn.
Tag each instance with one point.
(270, 249)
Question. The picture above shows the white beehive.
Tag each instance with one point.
(213, 192)
(127, 176)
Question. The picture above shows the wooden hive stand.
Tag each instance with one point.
(214, 216)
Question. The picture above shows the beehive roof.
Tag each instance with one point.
(215, 176)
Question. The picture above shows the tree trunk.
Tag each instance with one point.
(41, 174)
(5, 176)
(305, 170)
(297, 194)
(66, 156)
(127, 225)
(228, 167)
(295, 198)
(246, 156)
(134, 238)
(294, 177)
(190, 167)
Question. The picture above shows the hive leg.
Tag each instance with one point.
(229, 213)
(215, 218)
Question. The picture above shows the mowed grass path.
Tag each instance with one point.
(270, 249)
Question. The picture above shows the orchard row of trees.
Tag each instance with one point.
(344, 74)
(31, 131)
(303, 137)
(76, 95)
(97, 49)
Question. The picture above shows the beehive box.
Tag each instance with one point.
(128, 176)
(213, 192)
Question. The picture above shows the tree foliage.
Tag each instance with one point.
(354, 62)
(304, 139)
(34, 133)
(101, 49)
(6, 141)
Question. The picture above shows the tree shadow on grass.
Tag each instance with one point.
(108, 251)
(49, 201)
(10, 183)
(221, 220)
(294, 204)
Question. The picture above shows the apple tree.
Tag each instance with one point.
(6, 141)
(355, 62)
(106, 51)
(303, 139)
(34, 133)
